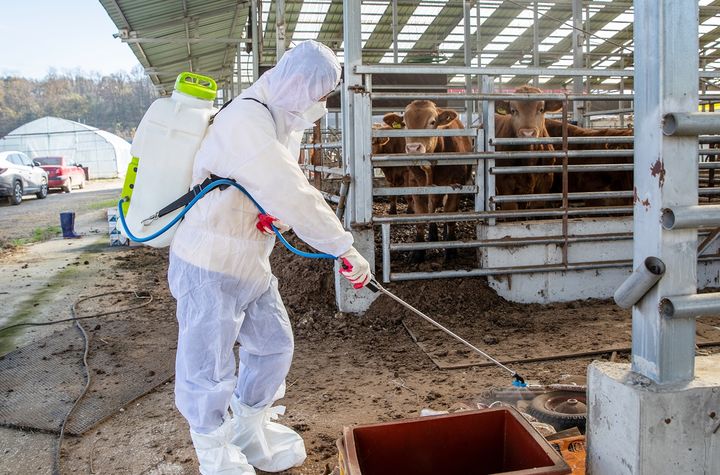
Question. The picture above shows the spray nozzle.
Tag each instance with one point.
(518, 381)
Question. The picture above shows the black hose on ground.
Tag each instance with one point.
(86, 350)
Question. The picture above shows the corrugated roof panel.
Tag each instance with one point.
(429, 31)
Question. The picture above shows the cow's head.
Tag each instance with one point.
(379, 142)
(421, 115)
(528, 117)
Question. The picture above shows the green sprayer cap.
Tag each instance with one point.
(196, 85)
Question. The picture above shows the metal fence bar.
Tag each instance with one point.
(390, 161)
(559, 140)
(423, 133)
(560, 154)
(558, 169)
(436, 158)
(424, 190)
(691, 124)
(330, 197)
(559, 196)
(626, 110)
(448, 274)
(619, 167)
(508, 242)
(323, 169)
(485, 215)
(460, 70)
(500, 96)
(321, 146)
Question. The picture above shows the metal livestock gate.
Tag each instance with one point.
(558, 253)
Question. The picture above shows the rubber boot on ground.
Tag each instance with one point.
(67, 224)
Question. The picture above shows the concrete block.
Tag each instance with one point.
(347, 298)
(636, 427)
(545, 287)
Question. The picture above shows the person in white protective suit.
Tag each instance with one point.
(220, 270)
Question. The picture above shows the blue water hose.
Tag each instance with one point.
(203, 192)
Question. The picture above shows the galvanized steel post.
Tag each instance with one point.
(578, 62)
(357, 121)
(666, 174)
(255, 43)
(279, 29)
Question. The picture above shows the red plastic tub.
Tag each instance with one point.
(491, 441)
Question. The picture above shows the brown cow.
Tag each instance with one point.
(423, 114)
(523, 119)
(595, 181)
(395, 176)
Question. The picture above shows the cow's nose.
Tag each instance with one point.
(527, 133)
(415, 148)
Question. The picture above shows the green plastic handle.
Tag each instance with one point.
(196, 85)
(130, 176)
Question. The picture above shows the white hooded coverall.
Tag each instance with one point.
(219, 261)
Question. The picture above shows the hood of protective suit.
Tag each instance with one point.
(293, 88)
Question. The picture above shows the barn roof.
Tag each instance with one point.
(203, 36)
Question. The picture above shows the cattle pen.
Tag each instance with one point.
(556, 245)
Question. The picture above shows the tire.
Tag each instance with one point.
(542, 408)
(42, 194)
(67, 186)
(17, 194)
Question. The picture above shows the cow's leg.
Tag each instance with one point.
(410, 206)
(435, 201)
(506, 185)
(420, 206)
(393, 205)
(452, 204)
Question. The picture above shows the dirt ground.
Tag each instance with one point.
(347, 369)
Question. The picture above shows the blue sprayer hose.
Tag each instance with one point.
(203, 192)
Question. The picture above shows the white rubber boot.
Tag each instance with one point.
(217, 455)
(269, 446)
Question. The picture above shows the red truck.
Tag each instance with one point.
(62, 172)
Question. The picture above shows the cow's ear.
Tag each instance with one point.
(394, 120)
(380, 141)
(502, 107)
(553, 106)
(445, 117)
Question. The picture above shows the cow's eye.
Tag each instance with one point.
(542, 110)
(513, 111)
(432, 122)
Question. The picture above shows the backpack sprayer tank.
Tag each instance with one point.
(163, 152)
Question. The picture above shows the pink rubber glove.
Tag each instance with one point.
(265, 223)
(355, 268)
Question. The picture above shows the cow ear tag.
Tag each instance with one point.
(397, 125)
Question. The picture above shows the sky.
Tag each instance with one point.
(65, 35)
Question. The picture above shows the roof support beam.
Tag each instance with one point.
(279, 29)
(182, 39)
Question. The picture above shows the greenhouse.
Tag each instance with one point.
(105, 155)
